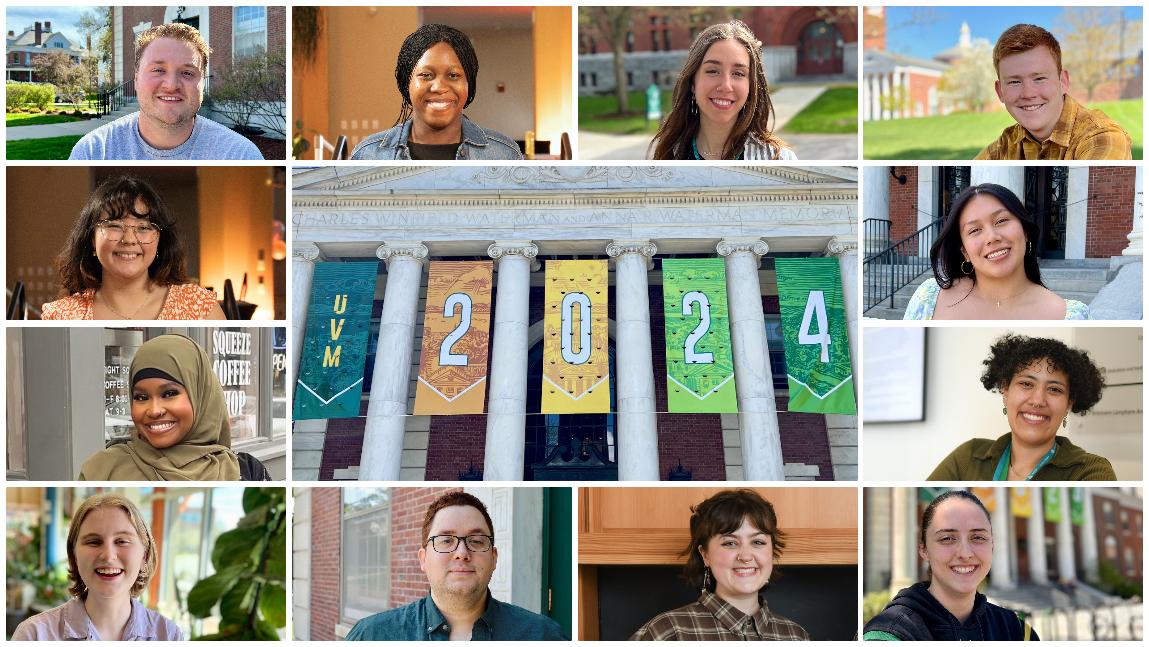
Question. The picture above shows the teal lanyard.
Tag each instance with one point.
(1002, 471)
(698, 156)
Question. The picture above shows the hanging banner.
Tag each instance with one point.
(814, 336)
(456, 329)
(699, 359)
(1077, 505)
(1052, 498)
(331, 364)
(988, 496)
(1020, 502)
(576, 373)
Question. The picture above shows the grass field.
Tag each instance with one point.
(13, 120)
(922, 138)
(51, 148)
(835, 111)
(599, 114)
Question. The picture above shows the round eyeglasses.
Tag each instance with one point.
(450, 543)
(115, 231)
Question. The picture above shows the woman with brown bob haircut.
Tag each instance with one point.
(734, 540)
(111, 559)
(124, 260)
(721, 108)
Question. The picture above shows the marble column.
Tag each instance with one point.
(303, 259)
(1088, 537)
(1066, 566)
(904, 538)
(845, 248)
(884, 94)
(875, 203)
(637, 420)
(1136, 237)
(507, 396)
(999, 574)
(387, 409)
(754, 382)
(1035, 538)
(1011, 177)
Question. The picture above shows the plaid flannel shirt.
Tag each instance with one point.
(1080, 134)
(712, 618)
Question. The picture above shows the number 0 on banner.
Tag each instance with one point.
(576, 376)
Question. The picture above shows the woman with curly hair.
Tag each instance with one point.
(1041, 381)
(720, 108)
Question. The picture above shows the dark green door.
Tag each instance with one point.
(557, 528)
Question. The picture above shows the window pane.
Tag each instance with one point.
(250, 31)
(366, 551)
(234, 351)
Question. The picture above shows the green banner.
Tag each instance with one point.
(699, 359)
(331, 366)
(1077, 505)
(814, 334)
(1051, 497)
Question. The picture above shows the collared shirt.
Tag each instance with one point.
(70, 621)
(976, 459)
(478, 144)
(712, 618)
(1080, 134)
(422, 620)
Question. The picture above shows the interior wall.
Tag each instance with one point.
(506, 56)
(235, 221)
(554, 90)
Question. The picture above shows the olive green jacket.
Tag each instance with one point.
(976, 460)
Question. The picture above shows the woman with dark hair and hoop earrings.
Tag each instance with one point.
(436, 72)
(985, 266)
(124, 259)
(734, 540)
(111, 559)
(720, 108)
(1040, 380)
(956, 543)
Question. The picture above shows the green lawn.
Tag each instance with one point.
(23, 119)
(600, 114)
(51, 148)
(835, 111)
(919, 139)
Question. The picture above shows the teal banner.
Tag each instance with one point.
(814, 334)
(331, 366)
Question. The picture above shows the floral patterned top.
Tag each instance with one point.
(186, 301)
(921, 306)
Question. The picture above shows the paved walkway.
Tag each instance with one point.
(788, 101)
(43, 131)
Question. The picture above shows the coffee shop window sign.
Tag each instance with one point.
(234, 355)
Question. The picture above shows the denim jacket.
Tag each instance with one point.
(478, 144)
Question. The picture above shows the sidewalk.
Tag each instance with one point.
(55, 130)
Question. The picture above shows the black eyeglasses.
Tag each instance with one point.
(450, 543)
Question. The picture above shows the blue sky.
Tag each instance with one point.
(924, 31)
(62, 19)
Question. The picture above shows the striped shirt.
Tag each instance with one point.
(1080, 134)
(712, 618)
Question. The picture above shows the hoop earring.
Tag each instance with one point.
(964, 270)
(705, 580)
(1004, 412)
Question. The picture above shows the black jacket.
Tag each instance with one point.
(914, 614)
(251, 469)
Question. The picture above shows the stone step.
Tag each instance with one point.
(1073, 285)
(1082, 274)
(882, 312)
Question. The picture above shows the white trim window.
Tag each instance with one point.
(249, 31)
(366, 554)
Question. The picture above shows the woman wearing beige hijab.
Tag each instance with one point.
(182, 431)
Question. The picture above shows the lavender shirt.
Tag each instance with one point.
(70, 621)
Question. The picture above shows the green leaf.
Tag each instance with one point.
(235, 606)
(236, 547)
(208, 591)
(273, 604)
(257, 518)
(277, 556)
(254, 497)
(265, 631)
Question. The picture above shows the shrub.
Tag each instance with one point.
(1113, 582)
(873, 604)
(40, 95)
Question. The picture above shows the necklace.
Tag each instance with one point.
(997, 302)
(119, 314)
(701, 153)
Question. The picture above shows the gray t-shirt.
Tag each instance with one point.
(121, 140)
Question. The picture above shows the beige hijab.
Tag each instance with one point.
(204, 454)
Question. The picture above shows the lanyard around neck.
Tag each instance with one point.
(1002, 471)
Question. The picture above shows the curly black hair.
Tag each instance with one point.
(1011, 353)
(423, 39)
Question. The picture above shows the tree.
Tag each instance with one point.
(1091, 44)
(969, 81)
(614, 24)
(96, 27)
(252, 93)
(58, 69)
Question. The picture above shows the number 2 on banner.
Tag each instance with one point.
(446, 357)
(570, 302)
(692, 355)
(816, 307)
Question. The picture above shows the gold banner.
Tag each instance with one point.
(1020, 502)
(453, 366)
(576, 373)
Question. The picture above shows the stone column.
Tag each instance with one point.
(754, 383)
(1066, 566)
(884, 94)
(1011, 177)
(303, 258)
(507, 396)
(637, 420)
(904, 544)
(845, 248)
(875, 201)
(1088, 537)
(999, 575)
(1136, 242)
(1035, 538)
(387, 409)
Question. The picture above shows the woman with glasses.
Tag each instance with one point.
(734, 540)
(124, 260)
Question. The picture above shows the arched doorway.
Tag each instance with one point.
(820, 49)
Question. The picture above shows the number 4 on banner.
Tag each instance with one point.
(816, 306)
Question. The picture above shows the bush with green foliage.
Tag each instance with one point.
(250, 581)
(873, 604)
(40, 95)
(1113, 582)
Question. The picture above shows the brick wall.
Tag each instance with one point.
(455, 444)
(1110, 210)
(276, 29)
(325, 562)
(343, 445)
(133, 16)
(920, 85)
(408, 506)
(220, 40)
(903, 203)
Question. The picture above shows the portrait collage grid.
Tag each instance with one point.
(678, 322)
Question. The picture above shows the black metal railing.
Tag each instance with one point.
(877, 236)
(898, 265)
(112, 100)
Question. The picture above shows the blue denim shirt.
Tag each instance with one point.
(422, 620)
(478, 144)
